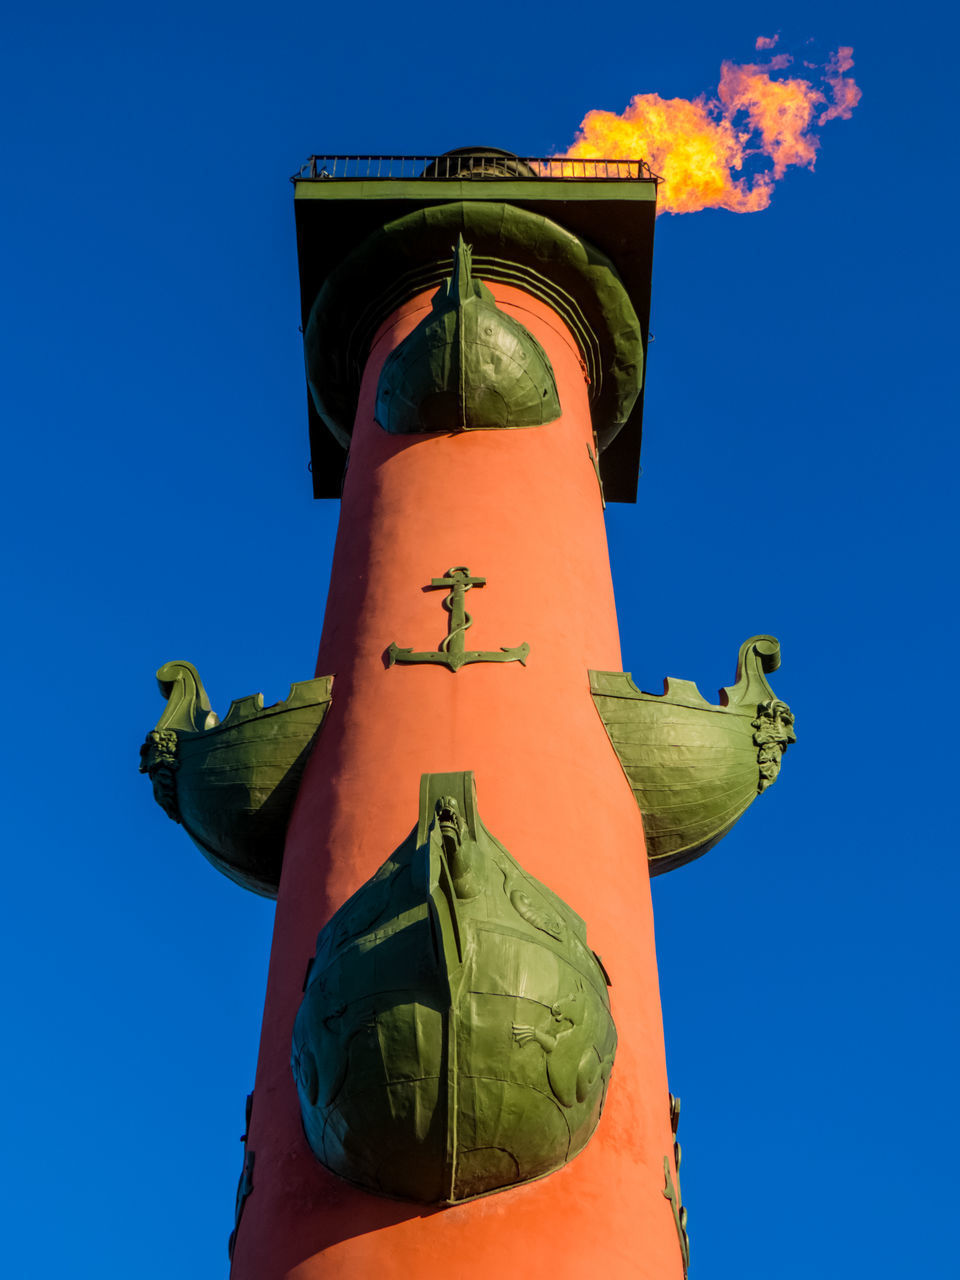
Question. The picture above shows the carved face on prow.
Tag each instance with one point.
(450, 823)
(783, 720)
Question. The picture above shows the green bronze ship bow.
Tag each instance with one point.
(469, 366)
(232, 782)
(695, 767)
(455, 1035)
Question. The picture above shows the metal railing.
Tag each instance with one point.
(477, 165)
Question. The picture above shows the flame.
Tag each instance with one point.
(846, 94)
(700, 147)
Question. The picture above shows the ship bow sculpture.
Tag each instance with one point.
(455, 1035)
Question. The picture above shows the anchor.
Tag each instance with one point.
(451, 652)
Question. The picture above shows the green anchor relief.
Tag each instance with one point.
(455, 1035)
(468, 366)
(451, 652)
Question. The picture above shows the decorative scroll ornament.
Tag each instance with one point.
(696, 767)
(451, 652)
(455, 1035)
(232, 783)
(671, 1191)
(468, 366)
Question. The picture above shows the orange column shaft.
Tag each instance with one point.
(522, 509)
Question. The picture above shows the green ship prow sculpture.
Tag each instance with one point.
(455, 1035)
(468, 366)
(696, 767)
(231, 783)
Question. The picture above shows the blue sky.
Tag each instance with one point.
(799, 478)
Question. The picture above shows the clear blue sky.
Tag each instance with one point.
(800, 466)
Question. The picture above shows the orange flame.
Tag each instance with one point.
(699, 147)
(846, 94)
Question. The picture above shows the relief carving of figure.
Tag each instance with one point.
(576, 1046)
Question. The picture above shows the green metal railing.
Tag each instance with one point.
(477, 164)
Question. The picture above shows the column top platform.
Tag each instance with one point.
(608, 205)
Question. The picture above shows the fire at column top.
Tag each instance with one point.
(373, 231)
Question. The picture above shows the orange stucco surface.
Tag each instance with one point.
(521, 508)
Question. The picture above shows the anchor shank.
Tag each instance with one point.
(458, 618)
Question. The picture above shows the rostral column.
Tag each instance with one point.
(451, 814)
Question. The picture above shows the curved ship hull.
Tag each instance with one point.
(455, 1037)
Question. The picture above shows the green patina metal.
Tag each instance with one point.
(511, 245)
(245, 1183)
(451, 652)
(455, 1035)
(508, 188)
(232, 783)
(671, 1191)
(468, 365)
(679, 1213)
(695, 767)
(595, 463)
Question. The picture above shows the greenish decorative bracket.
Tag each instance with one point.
(696, 767)
(595, 463)
(679, 1214)
(672, 1192)
(468, 366)
(232, 783)
(674, 1124)
(455, 1036)
(451, 652)
(245, 1184)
